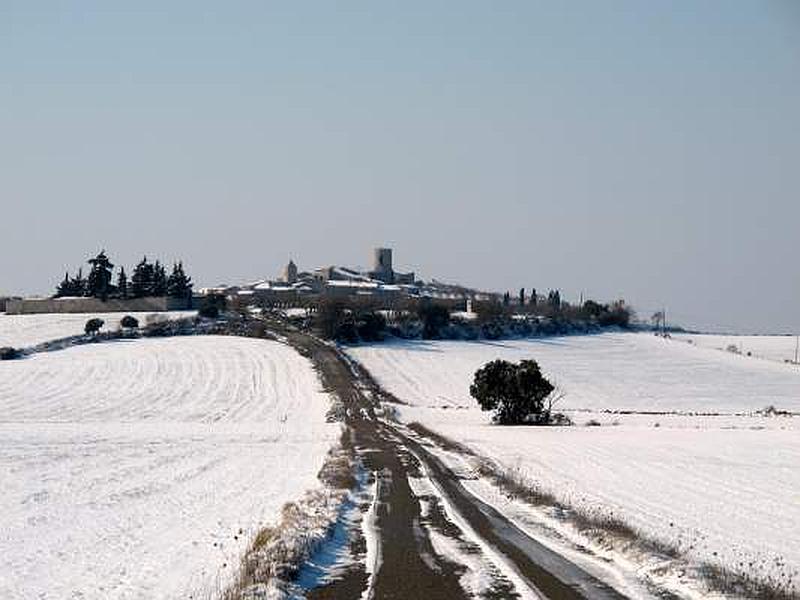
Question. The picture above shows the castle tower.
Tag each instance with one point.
(382, 261)
(290, 272)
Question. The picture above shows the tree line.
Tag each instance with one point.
(147, 279)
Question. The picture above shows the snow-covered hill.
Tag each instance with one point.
(21, 331)
(139, 469)
(724, 487)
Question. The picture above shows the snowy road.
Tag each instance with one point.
(677, 477)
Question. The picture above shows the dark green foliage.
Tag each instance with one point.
(9, 353)
(129, 322)
(93, 326)
(617, 314)
(435, 317)
(516, 393)
(532, 300)
(522, 296)
(492, 330)
(147, 280)
(339, 320)
(554, 299)
(122, 284)
(212, 305)
(370, 325)
(65, 287)
(79, 284)
(489, 312)
(329, 317)
(178, 284)
(98, 283)
(142, 279)
(159, 287)
(506, 299)
(594, 309)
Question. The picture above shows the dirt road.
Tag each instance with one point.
(409, 567)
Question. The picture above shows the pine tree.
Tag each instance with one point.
(79, 284)
(506, 299)
(522, 296)
(554, 299)
(142, 279)
(122, 284)
(159, 287)
(532, 300)
(65, 287)
(98, 284)
(178, 284)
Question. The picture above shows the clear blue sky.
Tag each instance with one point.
(649, 150)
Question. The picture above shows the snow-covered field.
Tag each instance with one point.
(779, 348)
(723, 485)
(21, 331)
(139, 469)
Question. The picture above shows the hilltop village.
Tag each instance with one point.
(381, 283)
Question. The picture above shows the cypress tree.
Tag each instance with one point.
(178, 284)
(98, 284)
(122, 284)
(159, 287)
(79, 284)
(65, 287)
(142, 279)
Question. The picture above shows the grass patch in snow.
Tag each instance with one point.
(273, 560)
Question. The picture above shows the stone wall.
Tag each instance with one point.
(93, 305)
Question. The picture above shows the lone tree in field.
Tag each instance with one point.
(93, 326)
(129, 323)
(518, 394)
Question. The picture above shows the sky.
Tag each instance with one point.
(643, 150)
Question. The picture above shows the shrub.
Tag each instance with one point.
(371, 326)
(434, 317)
(490, 311)
(93, 326)
(329, 318)
(517, 393)
(8, 353)
(211, 306)
(129, 322)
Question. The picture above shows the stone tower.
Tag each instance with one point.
(382, 260)
(290, 272)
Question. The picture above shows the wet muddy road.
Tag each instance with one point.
(404, 563)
